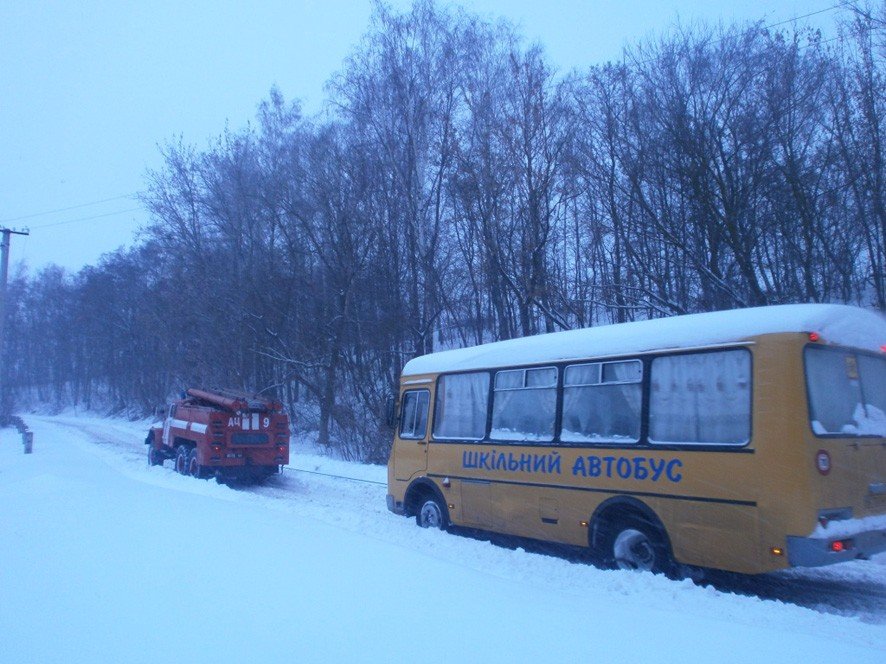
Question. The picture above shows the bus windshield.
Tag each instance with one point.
(847, 392)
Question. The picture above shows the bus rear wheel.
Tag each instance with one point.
(431, 514)
(635, 545)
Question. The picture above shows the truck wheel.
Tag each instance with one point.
(154, 457)
(181, 460)
(194, 467)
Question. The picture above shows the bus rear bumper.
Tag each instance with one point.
(819, 551)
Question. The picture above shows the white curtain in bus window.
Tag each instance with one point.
(461, 406)
(873, 388)
(847, 392)
(415, 414)
(524, 404)
(701, 398)
(601, 402)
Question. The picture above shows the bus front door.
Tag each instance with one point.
(410, 458)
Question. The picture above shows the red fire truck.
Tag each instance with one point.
(225, 434)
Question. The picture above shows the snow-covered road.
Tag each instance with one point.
(105, 559)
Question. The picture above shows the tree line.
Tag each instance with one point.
(457, 190)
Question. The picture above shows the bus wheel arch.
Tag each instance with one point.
(623, 524)
(416, 502)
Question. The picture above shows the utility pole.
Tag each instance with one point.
(4, 269)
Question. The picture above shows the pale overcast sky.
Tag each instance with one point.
(89, 88)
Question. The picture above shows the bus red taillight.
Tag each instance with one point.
(814, 336)
(823, 462)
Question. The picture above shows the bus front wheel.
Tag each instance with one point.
(431, 514)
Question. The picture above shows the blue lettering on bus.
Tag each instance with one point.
(621, 467)
(516, 463)
(578, 468)
(638, 468)
(594, 466)
(672, 474)
(657, 466)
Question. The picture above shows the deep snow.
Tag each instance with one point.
(105, 559)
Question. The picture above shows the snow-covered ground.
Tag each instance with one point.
(105, 559)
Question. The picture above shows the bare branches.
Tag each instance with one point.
(460, 192)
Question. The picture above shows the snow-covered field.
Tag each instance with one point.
(103, 559)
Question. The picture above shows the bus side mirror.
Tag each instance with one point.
(391, 411)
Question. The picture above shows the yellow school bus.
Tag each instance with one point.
(748, 440)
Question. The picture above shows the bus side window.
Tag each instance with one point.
(461, 406)
(524, 404)
(414, 414)
(602, 402)
(701, 398)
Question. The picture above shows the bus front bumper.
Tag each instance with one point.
(395, 506)
(818, 551)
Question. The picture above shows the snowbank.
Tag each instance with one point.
(105, 559)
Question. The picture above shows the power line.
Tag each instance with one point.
(797, 18)
(96, 216)
(827, 41)
(839, 5)
(66, 209)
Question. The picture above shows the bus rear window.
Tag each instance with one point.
(847, 392)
